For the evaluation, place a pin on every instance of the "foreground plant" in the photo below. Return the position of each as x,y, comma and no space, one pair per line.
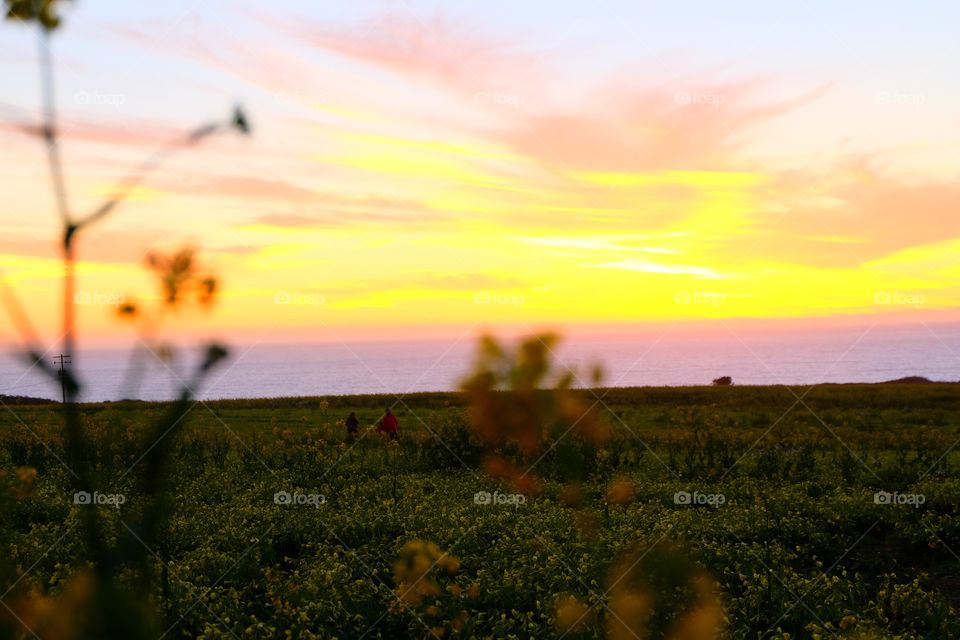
438,606
112,598
523,412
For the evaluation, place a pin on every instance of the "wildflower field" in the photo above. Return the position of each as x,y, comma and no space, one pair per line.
732,512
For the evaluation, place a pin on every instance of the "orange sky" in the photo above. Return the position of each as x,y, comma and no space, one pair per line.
417,171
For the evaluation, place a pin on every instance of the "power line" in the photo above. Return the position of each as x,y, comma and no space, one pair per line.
62,360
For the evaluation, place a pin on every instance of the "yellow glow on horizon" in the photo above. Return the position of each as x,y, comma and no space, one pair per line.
407,201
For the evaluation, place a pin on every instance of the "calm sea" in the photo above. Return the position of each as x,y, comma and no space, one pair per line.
846,355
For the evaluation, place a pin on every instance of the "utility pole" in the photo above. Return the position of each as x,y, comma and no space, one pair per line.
62,360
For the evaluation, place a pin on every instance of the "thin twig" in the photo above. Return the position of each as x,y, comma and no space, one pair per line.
127,185
48,94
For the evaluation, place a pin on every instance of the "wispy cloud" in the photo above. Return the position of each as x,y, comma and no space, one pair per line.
612,244
643,266
453,53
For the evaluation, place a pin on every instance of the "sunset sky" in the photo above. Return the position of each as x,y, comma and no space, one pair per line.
430,166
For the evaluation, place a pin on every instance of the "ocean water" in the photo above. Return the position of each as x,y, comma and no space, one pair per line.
847,355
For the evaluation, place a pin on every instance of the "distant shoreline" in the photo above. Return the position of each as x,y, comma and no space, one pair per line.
305,400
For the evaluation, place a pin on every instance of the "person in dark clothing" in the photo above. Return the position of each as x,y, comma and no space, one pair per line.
352,426
388,424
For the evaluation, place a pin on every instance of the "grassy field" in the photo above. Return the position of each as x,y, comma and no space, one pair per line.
751,509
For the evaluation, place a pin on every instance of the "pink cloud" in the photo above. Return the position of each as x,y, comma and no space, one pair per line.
259,63
433,48
130,132
123,246
326,217
624,129
868,218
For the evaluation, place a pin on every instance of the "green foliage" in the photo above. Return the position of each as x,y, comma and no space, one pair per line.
789,516
44,12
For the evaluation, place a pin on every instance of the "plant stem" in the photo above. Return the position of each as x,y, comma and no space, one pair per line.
48,94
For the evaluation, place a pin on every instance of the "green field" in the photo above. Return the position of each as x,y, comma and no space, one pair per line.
784,536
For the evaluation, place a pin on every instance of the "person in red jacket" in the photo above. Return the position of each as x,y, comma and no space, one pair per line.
388,424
